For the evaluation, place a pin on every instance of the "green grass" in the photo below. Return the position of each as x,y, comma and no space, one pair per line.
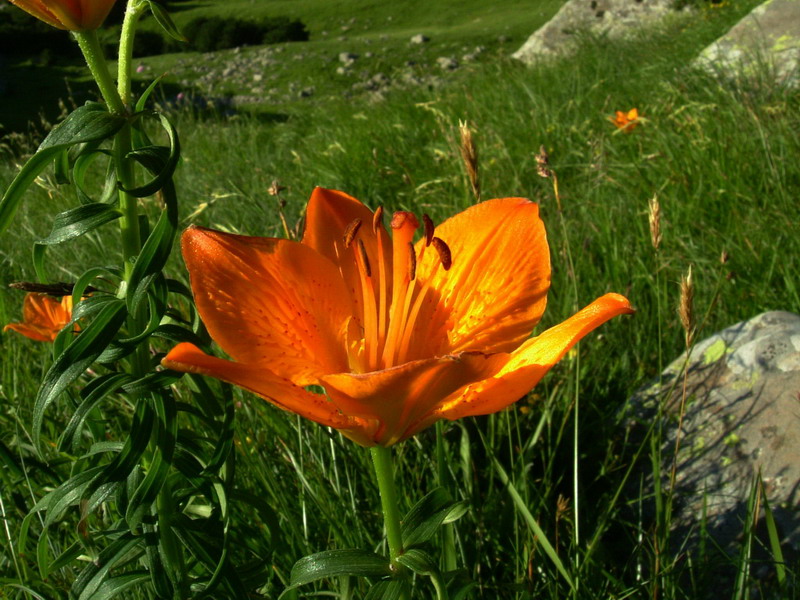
722,159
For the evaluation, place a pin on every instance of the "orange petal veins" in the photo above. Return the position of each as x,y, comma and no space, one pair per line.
496,290
277,390
400,396
528,364
269,302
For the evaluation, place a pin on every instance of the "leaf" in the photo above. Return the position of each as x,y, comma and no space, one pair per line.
418,561
388,590
522,508
159,160
89,123
162,17
80,220
333,563
88,583
426,516
77,357
156,250
92,394
116,585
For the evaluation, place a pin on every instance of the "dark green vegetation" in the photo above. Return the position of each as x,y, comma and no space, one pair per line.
720,156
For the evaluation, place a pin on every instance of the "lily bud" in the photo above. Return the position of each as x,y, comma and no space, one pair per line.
74,15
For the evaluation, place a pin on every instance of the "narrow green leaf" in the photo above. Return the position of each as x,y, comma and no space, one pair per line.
163,18
116,585
156,249
66,557
333,563
74,361
91,122
141,103
394,589
88,583
94,392
418,561
79,221
774,538
425,518
522,508
159,160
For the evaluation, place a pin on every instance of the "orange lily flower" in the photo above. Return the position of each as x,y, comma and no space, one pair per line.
626,121
400,334
43,317
74,15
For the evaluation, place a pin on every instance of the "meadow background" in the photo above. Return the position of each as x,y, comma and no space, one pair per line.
721,155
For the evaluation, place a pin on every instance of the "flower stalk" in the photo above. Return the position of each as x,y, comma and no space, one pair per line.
384,474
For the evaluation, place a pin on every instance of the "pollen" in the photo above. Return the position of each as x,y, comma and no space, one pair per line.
445,257
350,232
429,229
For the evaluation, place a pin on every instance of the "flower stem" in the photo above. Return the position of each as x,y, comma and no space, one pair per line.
93,53
382,460
133,11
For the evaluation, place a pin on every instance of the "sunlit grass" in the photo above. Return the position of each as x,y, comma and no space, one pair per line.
720,156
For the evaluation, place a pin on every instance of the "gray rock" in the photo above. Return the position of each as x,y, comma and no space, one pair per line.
769,35
420,38
347,58
741,417
447,63
612,17
307,92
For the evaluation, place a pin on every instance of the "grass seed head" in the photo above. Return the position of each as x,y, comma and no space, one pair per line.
469,154
686,306
654,216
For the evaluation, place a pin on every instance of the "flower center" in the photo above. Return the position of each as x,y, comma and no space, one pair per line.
391,301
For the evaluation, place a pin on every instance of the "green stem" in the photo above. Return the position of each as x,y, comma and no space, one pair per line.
133,11
93,53
382,460
448,536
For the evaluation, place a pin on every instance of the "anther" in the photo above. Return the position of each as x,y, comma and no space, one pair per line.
363,252
377,219
429,227
350,232
412,262
445,257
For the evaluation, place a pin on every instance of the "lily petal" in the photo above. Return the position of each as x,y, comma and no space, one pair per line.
33,332
328,214
400,396
280,391
528,364
269,302
38,9
496,290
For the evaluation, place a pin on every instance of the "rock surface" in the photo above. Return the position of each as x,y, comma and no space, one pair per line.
601,16
769,34
742,416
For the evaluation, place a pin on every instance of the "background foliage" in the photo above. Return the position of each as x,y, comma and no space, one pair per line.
720,155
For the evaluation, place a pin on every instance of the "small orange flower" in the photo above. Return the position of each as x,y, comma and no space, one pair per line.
400,334
43,317
75,15
626,121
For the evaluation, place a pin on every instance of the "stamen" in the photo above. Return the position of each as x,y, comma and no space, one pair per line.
412,262
443,249
377,219
363,252
429,228
350,232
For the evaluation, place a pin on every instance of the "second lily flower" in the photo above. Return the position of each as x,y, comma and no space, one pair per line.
400,334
